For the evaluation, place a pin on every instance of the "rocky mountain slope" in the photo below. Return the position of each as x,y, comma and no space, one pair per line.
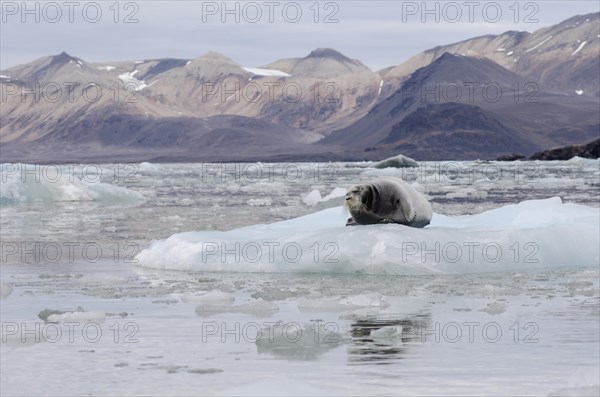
480,98
563,58
589,150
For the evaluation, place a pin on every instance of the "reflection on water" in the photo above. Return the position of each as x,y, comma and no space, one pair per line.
383,341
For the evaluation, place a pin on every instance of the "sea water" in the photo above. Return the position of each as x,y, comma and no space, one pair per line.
148,294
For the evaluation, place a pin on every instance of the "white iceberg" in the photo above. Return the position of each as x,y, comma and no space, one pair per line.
314,197
24,183
532,234
399,161
79,316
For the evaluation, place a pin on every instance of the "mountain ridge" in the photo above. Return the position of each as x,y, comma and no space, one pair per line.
324,103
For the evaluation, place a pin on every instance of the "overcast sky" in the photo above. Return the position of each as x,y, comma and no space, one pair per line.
379,33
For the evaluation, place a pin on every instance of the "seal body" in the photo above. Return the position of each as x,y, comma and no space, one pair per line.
387,200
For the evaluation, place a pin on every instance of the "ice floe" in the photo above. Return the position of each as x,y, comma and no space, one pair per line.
22,183
531,234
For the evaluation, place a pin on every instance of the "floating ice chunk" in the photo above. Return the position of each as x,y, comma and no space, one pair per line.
266,72
90,317
5,290
584,161
399,161
295,341
19,187
579,92
256,308
2,76
216,302
144,166
510,53
314,197
494,308
321,305
108,68
531,234
259,202
100,278
78,316
211,297
331,304
374,299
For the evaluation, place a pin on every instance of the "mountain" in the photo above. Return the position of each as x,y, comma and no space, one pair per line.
563,58
459,104
456,131
215,85
322,62
205,106
480,98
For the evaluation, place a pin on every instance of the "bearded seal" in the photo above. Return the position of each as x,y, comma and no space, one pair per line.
387,200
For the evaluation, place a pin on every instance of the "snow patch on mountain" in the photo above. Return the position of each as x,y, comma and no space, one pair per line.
129,78
266,72
579,48
543,42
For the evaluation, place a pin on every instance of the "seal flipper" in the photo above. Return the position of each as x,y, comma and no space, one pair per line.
351,222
